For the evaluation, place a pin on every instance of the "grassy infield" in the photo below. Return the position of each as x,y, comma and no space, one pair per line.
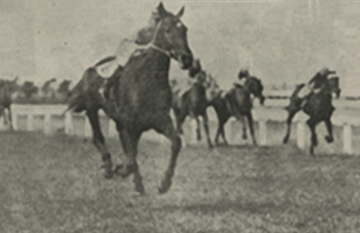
52,184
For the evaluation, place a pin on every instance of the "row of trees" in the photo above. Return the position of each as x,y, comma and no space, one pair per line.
28,92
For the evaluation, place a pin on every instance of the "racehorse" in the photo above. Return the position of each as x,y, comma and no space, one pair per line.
195,101
7,89
139,99
318,107
237,102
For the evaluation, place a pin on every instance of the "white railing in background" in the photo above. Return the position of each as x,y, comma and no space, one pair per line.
262,115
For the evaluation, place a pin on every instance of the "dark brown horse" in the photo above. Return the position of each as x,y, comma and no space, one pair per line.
237,102
7,89
195,101
318,107
139,99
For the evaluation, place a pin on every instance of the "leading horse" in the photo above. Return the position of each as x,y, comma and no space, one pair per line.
139,99
318,107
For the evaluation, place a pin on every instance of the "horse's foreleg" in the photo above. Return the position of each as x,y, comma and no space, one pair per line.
129,140
166,128
10,120
329,138
291,114
198,131
99,142
206,127
251,126
314,142
223,135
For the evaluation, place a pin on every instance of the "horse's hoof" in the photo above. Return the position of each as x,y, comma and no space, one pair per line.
123,171
286,139
244,137
329,139
107,172
140,189
312,151
165,185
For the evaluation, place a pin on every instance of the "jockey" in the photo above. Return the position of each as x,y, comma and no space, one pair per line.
316,84
130,47
133,46
243,75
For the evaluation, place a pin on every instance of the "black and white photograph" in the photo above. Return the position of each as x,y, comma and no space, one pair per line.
179,116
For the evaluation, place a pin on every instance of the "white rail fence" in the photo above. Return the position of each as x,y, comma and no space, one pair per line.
262,115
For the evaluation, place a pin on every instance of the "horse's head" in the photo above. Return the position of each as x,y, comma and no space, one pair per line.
255,87
335,86
171,36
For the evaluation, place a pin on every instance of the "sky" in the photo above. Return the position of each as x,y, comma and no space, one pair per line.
283,42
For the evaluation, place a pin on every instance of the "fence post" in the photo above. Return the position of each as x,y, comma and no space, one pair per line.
300,137
87,128
112,128
30,121
47,124
262,132
69,123
347,141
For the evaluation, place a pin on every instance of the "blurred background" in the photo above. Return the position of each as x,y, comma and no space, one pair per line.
283,42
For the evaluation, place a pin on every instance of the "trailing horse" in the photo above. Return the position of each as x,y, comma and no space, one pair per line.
195,101
318,107
7,89
237,102
139,98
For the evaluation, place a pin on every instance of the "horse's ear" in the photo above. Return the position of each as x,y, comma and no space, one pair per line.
15,79
161,10
181,12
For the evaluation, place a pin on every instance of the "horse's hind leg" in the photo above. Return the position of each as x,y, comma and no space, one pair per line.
206,127
165,127
329,138
10,119
251,126
242,119
314,142
291,114
129,140
99,142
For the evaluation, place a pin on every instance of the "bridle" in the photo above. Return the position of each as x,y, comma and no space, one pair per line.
152,44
